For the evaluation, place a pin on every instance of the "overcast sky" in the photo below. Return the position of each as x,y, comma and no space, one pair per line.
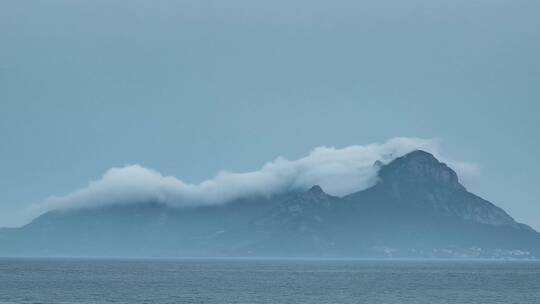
189,88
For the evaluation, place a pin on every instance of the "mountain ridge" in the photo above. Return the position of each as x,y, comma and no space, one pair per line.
417,208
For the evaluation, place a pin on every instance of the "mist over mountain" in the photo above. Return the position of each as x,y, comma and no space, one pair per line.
416,208
340,171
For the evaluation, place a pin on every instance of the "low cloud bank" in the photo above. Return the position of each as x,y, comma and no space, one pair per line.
337,171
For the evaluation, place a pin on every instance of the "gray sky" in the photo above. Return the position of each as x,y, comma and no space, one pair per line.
189,88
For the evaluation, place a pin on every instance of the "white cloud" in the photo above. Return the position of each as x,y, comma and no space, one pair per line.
337,171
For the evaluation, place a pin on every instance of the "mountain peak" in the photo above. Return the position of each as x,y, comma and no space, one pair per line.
421,154
418,181
316,189
419,167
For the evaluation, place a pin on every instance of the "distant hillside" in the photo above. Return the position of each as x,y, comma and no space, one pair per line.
418,209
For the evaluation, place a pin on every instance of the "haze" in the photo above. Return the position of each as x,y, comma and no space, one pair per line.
190,88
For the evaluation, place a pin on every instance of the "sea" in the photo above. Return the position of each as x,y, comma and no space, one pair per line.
268,281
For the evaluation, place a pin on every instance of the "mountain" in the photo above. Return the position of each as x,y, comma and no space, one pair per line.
417,209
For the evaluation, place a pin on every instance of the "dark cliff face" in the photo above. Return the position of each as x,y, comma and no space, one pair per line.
417,209
418,181
419,169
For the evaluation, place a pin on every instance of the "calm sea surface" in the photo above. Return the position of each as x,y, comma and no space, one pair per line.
266,281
